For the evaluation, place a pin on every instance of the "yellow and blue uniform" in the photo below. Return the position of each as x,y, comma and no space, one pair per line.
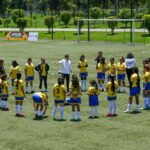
146,79
39,98
75,94
121,71
29,68
93,96
111,95
111,68
4,89
18,92
101,69
0,86
14,71
134,89
83,68
59,93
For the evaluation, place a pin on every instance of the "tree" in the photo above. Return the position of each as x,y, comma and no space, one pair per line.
6,22
81,23
3,7
49,22
17,13
22,23
65,17
112,24
146,22
1,21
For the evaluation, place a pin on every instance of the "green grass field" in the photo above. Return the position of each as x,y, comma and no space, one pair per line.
127,131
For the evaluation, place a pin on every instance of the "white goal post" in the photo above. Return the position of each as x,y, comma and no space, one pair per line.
132,29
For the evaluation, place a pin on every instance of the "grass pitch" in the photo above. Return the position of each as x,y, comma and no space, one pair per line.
127,131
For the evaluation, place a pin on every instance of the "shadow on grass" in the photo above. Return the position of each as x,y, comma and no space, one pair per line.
110,34
145,35
79,34
59,120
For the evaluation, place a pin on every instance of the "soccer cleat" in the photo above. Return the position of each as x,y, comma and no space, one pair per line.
115,115
90,117
17,115
127,111
96,117
109,115
21,115
32,92
27,92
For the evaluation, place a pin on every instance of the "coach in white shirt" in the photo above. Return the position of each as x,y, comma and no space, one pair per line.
66,69
130,63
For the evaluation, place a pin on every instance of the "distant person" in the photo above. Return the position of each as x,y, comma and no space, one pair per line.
15,68
29,74
99,57
65,70
42,68
82,65
130,63
2,69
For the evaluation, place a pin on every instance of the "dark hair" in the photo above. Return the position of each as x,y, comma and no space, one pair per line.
18,78
75,81
130,55
66,55
112,58
4,77
122,58
82,57
94,84
60,81
136,70
29,59
113,82
103,60
14,63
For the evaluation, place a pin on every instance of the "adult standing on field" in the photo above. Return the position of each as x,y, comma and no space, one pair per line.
130,63
2,69
42,68
65,69
99,57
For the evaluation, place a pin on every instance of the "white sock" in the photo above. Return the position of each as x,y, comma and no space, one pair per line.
124,90
103,86
26,89
148,99
115,106
91,112
96,111
78,114
61,112
0,102
36,112
129,107
12,89
73,115
54,112
16,108
40,113
6,104
3,104
32,89
145,102
21,107
84,84
99,86
110,107
137,108
118,88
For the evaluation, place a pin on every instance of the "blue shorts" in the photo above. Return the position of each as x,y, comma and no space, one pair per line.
19,98
134,91
147,86
4,95
101,75
37,99
114,98
30,78
93,100
108,77
0,91
59,101
83,74
12,80
75,101
121,77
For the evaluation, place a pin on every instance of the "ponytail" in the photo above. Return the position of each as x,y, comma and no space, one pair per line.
113,83
18,78
136,70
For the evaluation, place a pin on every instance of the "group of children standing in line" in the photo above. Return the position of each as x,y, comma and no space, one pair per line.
112,85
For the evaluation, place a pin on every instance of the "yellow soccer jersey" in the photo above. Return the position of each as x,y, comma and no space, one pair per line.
5,87
75,91
43,68
29,68
111,68
83,66
121,68
14,71
101,67
0,83
59,92
109,89
43,96
134,79
93,91
146,77
18,89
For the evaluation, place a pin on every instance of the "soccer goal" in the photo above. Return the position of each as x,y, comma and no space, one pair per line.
110,30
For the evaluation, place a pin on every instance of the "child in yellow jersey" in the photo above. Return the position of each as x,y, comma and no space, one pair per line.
146,87
82,65
40,101
93,93
134,90
15,68
111,88
29,74
19,95
111,68
75,93
121,69
59,98
5,93
101,69
0,92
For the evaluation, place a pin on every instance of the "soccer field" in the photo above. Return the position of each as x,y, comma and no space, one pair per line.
126,131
